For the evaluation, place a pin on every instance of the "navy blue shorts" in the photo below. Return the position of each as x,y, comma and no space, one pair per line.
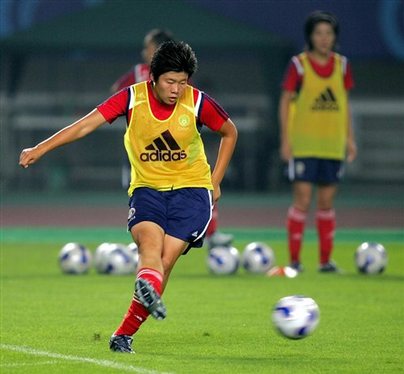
184,213
315,170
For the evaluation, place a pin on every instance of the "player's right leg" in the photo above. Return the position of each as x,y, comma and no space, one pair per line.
148,286
300,173
146,223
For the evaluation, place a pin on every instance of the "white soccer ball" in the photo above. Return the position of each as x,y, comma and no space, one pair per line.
296,317
74,258
257,257
115,259
223,260
371,258
100,257
134,251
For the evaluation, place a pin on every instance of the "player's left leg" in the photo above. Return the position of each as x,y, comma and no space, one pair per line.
329,174
150,284
326,224
173,249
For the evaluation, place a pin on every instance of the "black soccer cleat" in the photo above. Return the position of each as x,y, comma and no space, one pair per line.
121,343
328,267
150,299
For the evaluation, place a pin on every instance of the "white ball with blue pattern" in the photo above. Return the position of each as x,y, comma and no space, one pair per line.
371,258
223,260
296,317
114,259
74,258
258,257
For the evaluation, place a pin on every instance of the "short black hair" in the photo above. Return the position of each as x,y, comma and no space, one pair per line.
173,56
317,17
159,36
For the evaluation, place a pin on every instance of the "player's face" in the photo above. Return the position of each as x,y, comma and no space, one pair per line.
149,47
323,38
170,86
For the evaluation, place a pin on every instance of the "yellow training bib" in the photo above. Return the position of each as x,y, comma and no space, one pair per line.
165,154
318,119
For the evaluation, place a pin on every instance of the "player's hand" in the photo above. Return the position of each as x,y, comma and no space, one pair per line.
351,150
285,151
29,156
216,193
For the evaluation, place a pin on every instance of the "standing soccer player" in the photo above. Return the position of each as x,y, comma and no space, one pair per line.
172,188
139,73
316,133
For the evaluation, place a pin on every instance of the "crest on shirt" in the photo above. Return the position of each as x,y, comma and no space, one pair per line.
184,120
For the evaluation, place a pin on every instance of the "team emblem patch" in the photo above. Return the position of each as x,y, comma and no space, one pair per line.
131,213
184,120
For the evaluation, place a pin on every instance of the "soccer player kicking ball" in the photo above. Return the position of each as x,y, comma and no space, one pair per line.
316,133
172,188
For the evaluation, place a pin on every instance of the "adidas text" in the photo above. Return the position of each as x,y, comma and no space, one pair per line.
325,106
163,156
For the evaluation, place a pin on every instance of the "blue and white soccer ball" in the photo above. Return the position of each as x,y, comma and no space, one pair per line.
134,251
223,260
296,317
74,258
114,259
100,256
371,258
257,257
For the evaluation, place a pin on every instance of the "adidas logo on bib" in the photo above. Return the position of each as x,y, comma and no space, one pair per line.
326,101
163,148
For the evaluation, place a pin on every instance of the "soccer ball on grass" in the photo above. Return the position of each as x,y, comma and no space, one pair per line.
114,259
74,258
371,258
296,317
258,257
223,260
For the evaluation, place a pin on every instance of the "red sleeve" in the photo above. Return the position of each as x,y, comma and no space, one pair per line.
115,106
348,78
125,80
210,113
291,80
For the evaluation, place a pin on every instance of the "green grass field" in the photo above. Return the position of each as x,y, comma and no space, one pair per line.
55,323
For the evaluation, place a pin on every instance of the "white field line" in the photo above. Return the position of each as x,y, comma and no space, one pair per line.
20,364
104,363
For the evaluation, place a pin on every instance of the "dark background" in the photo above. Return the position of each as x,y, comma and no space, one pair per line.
59,59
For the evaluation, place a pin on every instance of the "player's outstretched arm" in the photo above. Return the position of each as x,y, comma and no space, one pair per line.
228,132
68,134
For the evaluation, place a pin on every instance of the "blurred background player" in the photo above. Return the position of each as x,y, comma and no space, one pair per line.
139,73
316,133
